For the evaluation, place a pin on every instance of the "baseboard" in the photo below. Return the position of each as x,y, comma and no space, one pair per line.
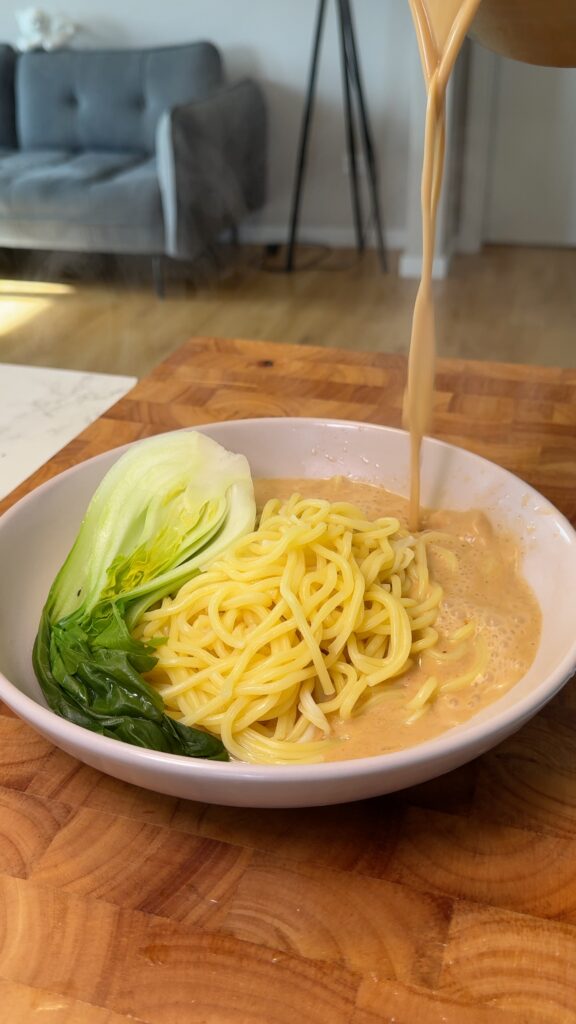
343,238
336,238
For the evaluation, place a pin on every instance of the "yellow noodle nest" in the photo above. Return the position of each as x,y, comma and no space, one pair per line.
305,619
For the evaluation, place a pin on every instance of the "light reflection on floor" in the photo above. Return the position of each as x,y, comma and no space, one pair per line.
21,301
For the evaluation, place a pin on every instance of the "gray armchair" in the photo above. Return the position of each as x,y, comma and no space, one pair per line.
127,151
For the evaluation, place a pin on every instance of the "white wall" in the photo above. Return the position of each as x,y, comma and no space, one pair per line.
271,40
531,166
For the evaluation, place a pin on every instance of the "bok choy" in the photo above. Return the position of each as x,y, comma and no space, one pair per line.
166,509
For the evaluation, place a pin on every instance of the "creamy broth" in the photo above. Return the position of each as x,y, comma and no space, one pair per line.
484,585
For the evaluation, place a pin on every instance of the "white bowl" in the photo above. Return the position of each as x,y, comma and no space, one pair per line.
36,534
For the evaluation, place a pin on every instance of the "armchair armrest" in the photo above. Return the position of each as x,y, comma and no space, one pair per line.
211,158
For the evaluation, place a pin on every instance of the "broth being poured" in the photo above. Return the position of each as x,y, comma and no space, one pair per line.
441,26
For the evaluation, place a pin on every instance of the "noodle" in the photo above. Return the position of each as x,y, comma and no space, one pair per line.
304,622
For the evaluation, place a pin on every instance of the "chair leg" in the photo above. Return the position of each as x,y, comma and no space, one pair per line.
158,275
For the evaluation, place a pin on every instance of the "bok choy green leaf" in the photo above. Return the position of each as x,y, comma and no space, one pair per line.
165,510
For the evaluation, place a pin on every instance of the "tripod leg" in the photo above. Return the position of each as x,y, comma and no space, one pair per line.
303,144
366,132
350,131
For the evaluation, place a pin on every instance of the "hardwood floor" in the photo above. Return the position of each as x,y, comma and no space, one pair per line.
507,304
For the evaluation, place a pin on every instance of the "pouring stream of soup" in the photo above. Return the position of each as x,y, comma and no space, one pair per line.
441,26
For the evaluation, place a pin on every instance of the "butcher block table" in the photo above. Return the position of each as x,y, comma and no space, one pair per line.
450,903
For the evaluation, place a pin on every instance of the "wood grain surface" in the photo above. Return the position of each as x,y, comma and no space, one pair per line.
451,903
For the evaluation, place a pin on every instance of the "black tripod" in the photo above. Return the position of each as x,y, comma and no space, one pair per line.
352,84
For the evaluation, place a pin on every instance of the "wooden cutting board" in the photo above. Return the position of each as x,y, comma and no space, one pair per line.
452,902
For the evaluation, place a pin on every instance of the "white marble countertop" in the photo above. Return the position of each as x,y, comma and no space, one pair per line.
42,409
